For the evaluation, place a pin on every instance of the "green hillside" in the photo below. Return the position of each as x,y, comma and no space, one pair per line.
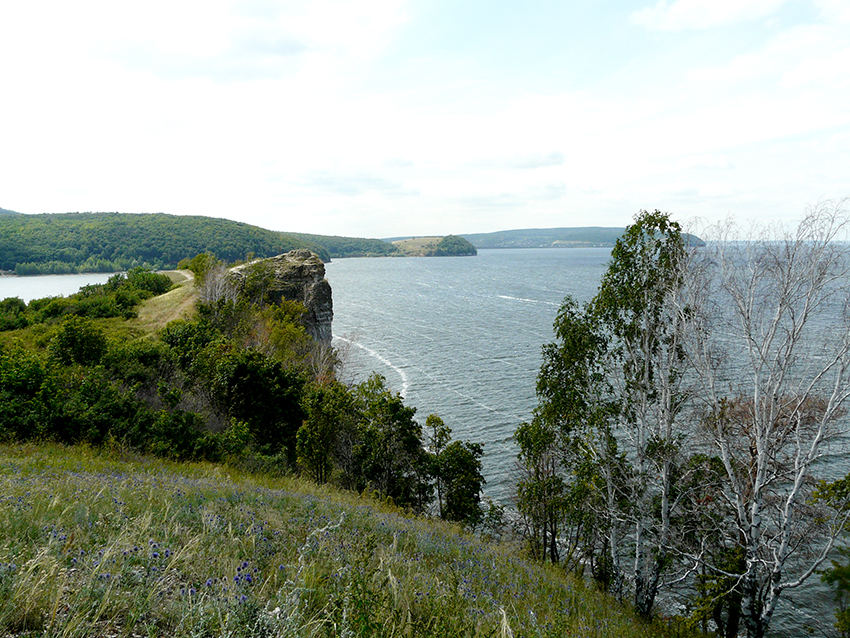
108,242
552,237
448,246
546,237
113,544
4,211
339,247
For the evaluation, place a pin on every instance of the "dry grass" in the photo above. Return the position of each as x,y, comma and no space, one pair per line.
155,313
417,246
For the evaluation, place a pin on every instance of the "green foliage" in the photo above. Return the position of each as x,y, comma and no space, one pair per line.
456,467
27,396
118,297
110,242
838,578
393,461
459,469
339,247
613,377
453,246
78,340
147,281
251,387
329,409
200,265
13,314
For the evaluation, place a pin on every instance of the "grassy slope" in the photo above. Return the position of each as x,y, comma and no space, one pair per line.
112,544
176,303
416,246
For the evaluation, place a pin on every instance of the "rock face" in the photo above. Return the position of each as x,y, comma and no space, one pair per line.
298,275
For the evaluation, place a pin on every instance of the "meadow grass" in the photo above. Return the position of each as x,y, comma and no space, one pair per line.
112,544
417,245
177,303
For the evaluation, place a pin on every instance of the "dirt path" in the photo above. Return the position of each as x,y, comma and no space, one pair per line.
175,304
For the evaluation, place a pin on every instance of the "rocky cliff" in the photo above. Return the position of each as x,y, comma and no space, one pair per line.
298,275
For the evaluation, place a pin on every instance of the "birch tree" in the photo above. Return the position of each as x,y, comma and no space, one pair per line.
639,308
614,385
772,353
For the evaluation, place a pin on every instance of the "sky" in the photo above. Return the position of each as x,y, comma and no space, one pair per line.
385,118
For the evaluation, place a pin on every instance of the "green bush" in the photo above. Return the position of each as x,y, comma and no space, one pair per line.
78,341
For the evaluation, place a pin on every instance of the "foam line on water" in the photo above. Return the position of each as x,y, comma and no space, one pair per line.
405,382
522,299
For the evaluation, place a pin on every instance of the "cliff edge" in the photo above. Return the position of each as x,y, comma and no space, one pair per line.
298,275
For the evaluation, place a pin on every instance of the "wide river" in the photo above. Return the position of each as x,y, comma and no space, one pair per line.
460,337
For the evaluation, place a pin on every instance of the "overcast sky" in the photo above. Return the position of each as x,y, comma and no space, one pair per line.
384,117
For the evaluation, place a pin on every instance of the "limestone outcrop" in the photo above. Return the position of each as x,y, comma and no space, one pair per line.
298,275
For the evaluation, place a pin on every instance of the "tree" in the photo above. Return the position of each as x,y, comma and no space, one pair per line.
440,436
78,341
248,386
392,459
612,391
327,408
568,454
838,578
540,489
772,354
456,467
459,467
639,307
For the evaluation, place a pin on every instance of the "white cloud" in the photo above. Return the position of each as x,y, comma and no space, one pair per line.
835,10
701,14
707,160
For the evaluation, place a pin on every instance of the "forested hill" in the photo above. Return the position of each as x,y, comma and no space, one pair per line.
108,242
350,246
552,237
4,211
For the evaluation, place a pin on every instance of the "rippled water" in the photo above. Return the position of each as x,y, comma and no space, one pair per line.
460,336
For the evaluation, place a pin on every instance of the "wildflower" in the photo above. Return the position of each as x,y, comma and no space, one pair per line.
155,555
209,582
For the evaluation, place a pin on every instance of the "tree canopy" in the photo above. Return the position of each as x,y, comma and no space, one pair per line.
110,242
